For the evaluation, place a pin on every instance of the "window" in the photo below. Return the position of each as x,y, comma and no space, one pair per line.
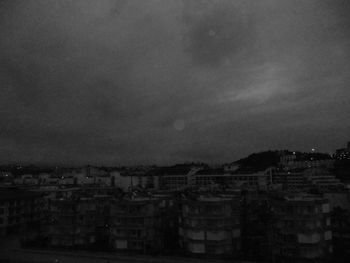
325,208
196,247
136,244
121,244
213,249
328,235
216,235
308,239
135,233
236,233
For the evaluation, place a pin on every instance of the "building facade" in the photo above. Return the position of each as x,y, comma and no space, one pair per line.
136,225
301,229
210,225
73,222
20,210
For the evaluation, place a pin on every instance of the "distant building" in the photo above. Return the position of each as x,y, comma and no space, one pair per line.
176,177
323,180
303,180
291,181
6,178
210,177
343,153
232,167
138,177
302,229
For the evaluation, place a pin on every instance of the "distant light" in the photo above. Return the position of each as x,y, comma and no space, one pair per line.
313,149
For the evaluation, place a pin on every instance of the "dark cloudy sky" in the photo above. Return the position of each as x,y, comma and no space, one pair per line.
166,81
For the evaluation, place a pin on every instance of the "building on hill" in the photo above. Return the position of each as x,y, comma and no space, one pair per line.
303,180
209,177
343,153
144,177
323,180
176,177
297,160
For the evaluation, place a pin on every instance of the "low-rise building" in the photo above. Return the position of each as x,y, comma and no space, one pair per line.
291,181
323,180
302,180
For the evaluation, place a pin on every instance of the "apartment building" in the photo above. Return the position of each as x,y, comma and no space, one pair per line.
169,208
136,225
103,219
305,179
291,181
301,229
210,225
323,179
172,182
292,161
256,180
20,210
256,222
73,222
209,177
341,234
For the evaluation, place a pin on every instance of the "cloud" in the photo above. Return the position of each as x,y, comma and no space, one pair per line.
218,32
125,82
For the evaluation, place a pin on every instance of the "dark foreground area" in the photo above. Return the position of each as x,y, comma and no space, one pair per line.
11,252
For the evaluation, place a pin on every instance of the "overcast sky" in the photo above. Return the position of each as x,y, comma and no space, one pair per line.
166,81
